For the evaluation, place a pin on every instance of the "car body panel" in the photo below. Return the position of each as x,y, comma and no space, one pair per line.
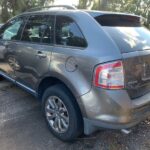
137,75
74,66
31,65
6,67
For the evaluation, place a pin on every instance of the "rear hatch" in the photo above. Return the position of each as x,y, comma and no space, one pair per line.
133,40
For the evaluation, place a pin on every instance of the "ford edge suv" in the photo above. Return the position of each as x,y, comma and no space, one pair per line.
89,69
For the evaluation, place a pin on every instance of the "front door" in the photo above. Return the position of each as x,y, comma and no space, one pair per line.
10,34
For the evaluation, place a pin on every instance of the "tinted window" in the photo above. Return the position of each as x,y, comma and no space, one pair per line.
12,30
68,33
126,31
130,39
119,20
39,29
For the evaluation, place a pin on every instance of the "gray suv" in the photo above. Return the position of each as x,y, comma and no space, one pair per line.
89,69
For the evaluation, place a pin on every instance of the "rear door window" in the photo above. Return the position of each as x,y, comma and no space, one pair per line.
39,29
127,32
68,33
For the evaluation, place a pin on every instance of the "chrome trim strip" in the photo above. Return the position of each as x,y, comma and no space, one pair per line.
7,77
18,83
25,87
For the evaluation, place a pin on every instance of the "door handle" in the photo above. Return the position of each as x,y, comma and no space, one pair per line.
41,54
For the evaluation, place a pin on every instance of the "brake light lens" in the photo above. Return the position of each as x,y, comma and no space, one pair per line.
109,75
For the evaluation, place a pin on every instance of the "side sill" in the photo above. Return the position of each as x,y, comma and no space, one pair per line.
7,77
31,91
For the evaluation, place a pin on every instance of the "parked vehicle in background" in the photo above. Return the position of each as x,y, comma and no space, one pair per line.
89,69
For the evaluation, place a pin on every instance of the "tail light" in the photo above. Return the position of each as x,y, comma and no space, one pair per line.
109,75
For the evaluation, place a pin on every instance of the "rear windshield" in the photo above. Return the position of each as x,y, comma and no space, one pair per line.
126,31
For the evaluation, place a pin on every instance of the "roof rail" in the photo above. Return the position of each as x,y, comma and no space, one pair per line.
51,6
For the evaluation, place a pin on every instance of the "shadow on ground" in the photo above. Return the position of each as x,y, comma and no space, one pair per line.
22,127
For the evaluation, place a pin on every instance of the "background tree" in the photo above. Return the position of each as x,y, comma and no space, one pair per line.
84,4
138,7
10,8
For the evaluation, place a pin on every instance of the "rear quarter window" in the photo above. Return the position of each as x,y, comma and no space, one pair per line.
68,33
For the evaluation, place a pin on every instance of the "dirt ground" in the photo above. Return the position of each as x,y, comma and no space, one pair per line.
22,127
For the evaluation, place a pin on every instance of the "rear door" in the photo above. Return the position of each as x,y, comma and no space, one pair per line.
133,39
34,51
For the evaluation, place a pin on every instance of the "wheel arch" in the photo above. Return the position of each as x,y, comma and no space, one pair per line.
48,81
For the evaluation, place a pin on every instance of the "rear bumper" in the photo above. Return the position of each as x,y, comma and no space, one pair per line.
113,110
91,125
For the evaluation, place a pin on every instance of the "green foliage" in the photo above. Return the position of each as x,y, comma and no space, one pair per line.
138,7
11,8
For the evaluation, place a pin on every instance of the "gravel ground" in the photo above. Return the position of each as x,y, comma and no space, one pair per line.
22,127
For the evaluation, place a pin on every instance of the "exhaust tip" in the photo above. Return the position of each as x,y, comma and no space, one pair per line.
126,131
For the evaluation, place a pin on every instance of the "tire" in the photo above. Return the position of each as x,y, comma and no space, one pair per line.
1,78
74,128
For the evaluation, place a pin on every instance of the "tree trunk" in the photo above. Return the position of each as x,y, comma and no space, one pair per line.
103,4
5,14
